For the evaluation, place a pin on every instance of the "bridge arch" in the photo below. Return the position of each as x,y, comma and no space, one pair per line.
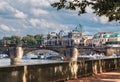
39,50
65,52
42,52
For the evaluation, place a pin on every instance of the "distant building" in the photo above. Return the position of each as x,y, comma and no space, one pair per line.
114,40
89,42
77,37
74,37
101,38
114,37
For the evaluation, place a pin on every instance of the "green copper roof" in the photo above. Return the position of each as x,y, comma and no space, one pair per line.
115,35
97,36
106,36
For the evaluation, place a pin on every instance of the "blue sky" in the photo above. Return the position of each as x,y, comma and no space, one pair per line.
22,17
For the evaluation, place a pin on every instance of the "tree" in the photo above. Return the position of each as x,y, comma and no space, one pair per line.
109,8
15,40
6,40
29,40
39,39
1,42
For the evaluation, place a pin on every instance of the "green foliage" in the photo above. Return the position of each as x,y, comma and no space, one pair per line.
15,39
28,40
6,40
71,5
39,38
108,8
1,42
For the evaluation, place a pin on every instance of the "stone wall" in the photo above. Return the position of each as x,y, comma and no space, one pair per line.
53,72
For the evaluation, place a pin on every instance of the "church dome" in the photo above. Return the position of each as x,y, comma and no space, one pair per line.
79,28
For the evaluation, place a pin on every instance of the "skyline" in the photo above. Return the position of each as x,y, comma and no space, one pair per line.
24,17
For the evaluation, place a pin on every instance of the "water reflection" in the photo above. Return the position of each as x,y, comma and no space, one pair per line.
6,62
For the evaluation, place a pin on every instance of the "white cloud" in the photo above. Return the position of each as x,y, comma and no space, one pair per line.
34,22
6,28
38,12
89,9
10,11
5,7
19,14
42,23
24,1
2,4
51,1
103,19
30,16
45,24
40,3
37,2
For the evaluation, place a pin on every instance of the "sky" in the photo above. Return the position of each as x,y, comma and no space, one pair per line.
23,17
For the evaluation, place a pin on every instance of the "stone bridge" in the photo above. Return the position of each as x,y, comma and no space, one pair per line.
65,51
16,52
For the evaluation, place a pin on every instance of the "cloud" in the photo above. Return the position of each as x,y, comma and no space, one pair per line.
20,14
37,3
6,28
6,10
89,9
34,22
5,7
40,3
37,12
48,25
42,23
23,1
37,16
103,19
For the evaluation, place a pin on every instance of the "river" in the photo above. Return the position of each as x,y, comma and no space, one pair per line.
6,62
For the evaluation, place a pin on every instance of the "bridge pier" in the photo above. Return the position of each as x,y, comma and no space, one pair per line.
73,63
113,50
16,54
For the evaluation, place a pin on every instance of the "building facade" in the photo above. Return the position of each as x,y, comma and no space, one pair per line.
74,37
77,37
101,38
115,37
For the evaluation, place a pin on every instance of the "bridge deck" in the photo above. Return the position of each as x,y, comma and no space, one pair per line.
113,76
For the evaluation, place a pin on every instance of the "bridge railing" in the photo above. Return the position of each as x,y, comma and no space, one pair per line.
56,71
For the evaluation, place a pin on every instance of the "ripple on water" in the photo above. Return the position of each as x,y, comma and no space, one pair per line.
6,62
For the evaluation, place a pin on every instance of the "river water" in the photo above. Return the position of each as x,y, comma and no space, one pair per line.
6,62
